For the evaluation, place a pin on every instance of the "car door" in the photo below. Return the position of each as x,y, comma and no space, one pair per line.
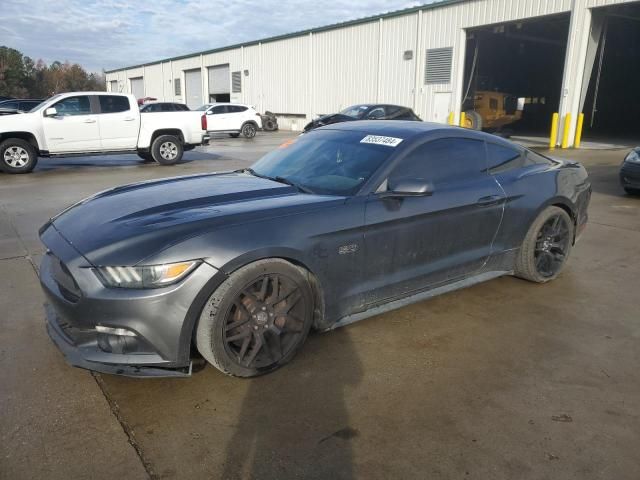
237,116
416,242
74,127
217,118
118,122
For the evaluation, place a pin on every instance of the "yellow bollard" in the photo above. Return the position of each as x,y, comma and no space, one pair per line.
553,140
565,131
576,143
451,118
463,119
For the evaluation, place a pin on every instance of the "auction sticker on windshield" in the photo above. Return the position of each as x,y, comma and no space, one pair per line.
380,140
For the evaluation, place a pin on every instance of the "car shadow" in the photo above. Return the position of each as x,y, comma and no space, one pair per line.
294,423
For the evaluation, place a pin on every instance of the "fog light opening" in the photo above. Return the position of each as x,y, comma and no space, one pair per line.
122,332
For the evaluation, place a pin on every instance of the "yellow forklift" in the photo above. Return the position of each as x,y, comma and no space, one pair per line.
492,111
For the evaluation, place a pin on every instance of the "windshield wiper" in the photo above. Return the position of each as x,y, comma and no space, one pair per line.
293,184
278,179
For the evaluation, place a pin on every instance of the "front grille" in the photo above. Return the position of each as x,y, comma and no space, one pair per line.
66,283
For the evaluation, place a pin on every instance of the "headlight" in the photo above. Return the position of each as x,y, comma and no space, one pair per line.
148,276
633,157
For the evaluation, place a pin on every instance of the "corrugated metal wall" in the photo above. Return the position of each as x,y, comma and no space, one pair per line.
322,72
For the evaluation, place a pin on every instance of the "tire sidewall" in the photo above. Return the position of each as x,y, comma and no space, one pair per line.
210,328
155,149
249,130
526,267
17,142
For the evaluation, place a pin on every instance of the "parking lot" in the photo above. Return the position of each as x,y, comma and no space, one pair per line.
504,380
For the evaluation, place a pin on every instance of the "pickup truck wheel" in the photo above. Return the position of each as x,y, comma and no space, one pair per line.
17,156
167,150
249,130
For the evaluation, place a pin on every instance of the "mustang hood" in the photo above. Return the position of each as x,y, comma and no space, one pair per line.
125,225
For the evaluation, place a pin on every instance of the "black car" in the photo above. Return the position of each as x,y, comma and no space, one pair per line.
337,225
630,172
364,112
16,105
163,107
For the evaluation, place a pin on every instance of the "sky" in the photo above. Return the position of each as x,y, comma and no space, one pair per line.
116,33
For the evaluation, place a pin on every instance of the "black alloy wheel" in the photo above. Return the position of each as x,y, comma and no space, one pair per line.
552,245
265,322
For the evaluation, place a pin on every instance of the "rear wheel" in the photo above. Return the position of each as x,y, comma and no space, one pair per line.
546,247
17,156
473,120
249,130
256,321
167,150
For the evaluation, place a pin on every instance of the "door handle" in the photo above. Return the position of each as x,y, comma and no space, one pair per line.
129,119
489,200
90,120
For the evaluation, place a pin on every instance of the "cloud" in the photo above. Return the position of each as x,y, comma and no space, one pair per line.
115,33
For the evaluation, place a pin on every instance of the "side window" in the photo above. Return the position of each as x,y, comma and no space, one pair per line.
10,105
443,161
181,108
534,158
73,106
237,109
113,103
502,158
219,109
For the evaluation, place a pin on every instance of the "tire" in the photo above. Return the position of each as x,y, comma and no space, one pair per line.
632,191
264,338
146,156
546,247
17,156
249,130
234,135
167,150
474,120
269,125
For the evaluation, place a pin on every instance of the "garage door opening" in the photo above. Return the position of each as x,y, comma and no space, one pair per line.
513,75
612,98
219,83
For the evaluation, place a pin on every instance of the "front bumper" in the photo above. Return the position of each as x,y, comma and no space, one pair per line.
630,175
158,322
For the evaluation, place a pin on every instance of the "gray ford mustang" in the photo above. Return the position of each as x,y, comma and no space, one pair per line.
342,223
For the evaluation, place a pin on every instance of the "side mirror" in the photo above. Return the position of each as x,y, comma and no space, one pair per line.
408,188
50,112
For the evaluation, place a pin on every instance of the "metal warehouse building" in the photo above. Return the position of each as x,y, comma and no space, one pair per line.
565,56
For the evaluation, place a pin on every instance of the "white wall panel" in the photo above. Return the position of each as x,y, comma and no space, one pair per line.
396,82
345,66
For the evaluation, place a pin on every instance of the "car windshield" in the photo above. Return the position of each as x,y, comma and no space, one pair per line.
325,162
356,111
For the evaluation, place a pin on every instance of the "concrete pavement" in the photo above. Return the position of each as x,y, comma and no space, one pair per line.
502,380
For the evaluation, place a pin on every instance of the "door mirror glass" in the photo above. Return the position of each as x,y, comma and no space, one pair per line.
408,188
50,112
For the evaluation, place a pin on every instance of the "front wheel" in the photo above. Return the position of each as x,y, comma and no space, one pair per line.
17,156
257,320
546,247
167,150
249,130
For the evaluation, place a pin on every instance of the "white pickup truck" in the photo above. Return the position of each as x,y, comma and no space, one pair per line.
96,123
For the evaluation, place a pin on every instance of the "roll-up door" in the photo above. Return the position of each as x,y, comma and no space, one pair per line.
137,87
193,88
219,80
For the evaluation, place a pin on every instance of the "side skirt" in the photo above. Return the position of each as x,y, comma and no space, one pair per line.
418,297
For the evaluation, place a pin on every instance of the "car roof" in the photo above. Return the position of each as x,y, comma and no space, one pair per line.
408,129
